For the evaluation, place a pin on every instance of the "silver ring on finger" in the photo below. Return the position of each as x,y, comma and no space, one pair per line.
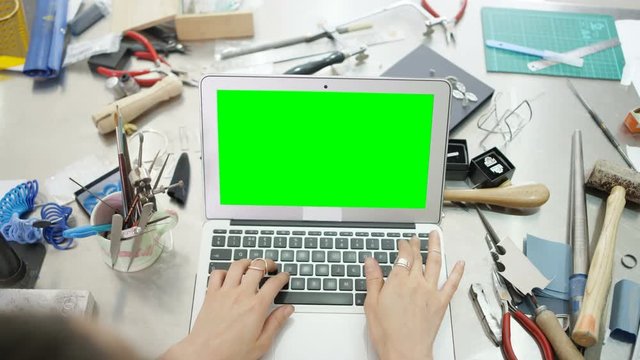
253,267
435,251
402,262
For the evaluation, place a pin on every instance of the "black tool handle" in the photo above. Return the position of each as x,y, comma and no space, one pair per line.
181,173
312,67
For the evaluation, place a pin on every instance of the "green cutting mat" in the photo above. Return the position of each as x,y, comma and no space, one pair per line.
555,31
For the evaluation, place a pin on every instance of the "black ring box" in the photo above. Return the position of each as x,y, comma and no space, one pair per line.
490,169
457,166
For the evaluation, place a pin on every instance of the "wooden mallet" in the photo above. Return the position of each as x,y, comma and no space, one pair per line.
605,177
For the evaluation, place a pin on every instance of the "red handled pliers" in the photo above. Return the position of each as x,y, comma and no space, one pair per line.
528,324
447,23
161,65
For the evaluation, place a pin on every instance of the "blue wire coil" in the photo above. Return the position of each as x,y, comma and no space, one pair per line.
15,203
21,200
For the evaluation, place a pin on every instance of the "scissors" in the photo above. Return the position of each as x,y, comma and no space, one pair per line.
508,309
161,65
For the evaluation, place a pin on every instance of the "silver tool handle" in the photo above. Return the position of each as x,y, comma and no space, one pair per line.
231,53
490,322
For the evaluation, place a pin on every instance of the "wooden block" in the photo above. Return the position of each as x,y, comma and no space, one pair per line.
141,14
214,26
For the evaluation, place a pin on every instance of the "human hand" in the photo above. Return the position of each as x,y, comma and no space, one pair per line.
404,313
235,322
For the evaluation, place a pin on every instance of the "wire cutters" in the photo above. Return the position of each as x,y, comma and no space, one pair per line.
508,309
161,65
448,24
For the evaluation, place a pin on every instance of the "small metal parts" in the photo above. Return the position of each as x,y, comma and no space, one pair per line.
460,92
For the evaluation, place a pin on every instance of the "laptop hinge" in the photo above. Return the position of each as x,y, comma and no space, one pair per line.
339,224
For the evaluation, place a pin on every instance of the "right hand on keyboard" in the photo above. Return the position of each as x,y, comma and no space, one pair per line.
235,322
404,313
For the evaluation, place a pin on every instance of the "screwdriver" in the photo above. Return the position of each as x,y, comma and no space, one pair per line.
335,57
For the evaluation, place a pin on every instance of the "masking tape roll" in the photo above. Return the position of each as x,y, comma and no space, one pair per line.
632,120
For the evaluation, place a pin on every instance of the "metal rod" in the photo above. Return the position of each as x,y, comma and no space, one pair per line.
141,136
495,239
163,188
154,161
578,230
155,185
602,126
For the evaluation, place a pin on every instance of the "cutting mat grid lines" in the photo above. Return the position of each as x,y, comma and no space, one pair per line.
555,31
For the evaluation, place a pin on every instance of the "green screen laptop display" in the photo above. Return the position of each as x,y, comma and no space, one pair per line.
324,149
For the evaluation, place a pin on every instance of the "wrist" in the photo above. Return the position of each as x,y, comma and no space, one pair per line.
406,354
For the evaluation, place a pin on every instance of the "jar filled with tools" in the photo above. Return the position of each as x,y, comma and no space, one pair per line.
136,247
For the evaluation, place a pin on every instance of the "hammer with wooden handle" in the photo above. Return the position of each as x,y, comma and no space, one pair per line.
134,105
515,196
587,328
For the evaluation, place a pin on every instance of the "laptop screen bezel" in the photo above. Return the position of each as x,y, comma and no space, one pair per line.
210,84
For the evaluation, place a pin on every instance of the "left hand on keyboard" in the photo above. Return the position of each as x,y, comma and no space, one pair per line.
234,322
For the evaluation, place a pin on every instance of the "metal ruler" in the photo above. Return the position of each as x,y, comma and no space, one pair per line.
579,52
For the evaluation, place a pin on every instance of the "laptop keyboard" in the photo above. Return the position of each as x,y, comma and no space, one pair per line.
326,267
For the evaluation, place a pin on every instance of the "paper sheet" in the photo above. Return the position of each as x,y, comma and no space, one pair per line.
519,270
634,153
82,50
628,31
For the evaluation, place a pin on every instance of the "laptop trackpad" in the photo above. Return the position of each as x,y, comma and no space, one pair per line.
323,336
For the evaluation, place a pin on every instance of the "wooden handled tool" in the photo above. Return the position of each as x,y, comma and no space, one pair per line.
517,196
587,328
562,345
132,106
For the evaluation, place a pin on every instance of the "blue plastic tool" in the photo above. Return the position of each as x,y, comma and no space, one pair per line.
85,231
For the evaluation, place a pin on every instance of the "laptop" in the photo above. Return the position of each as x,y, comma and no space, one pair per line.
318,173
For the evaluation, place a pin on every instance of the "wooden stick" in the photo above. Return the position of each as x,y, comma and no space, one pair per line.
517,196
587,329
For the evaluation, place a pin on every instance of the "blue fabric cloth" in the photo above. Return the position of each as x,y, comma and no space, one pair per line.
554,260
47,44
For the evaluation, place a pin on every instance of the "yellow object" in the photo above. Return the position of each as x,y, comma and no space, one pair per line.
14,35
130,128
